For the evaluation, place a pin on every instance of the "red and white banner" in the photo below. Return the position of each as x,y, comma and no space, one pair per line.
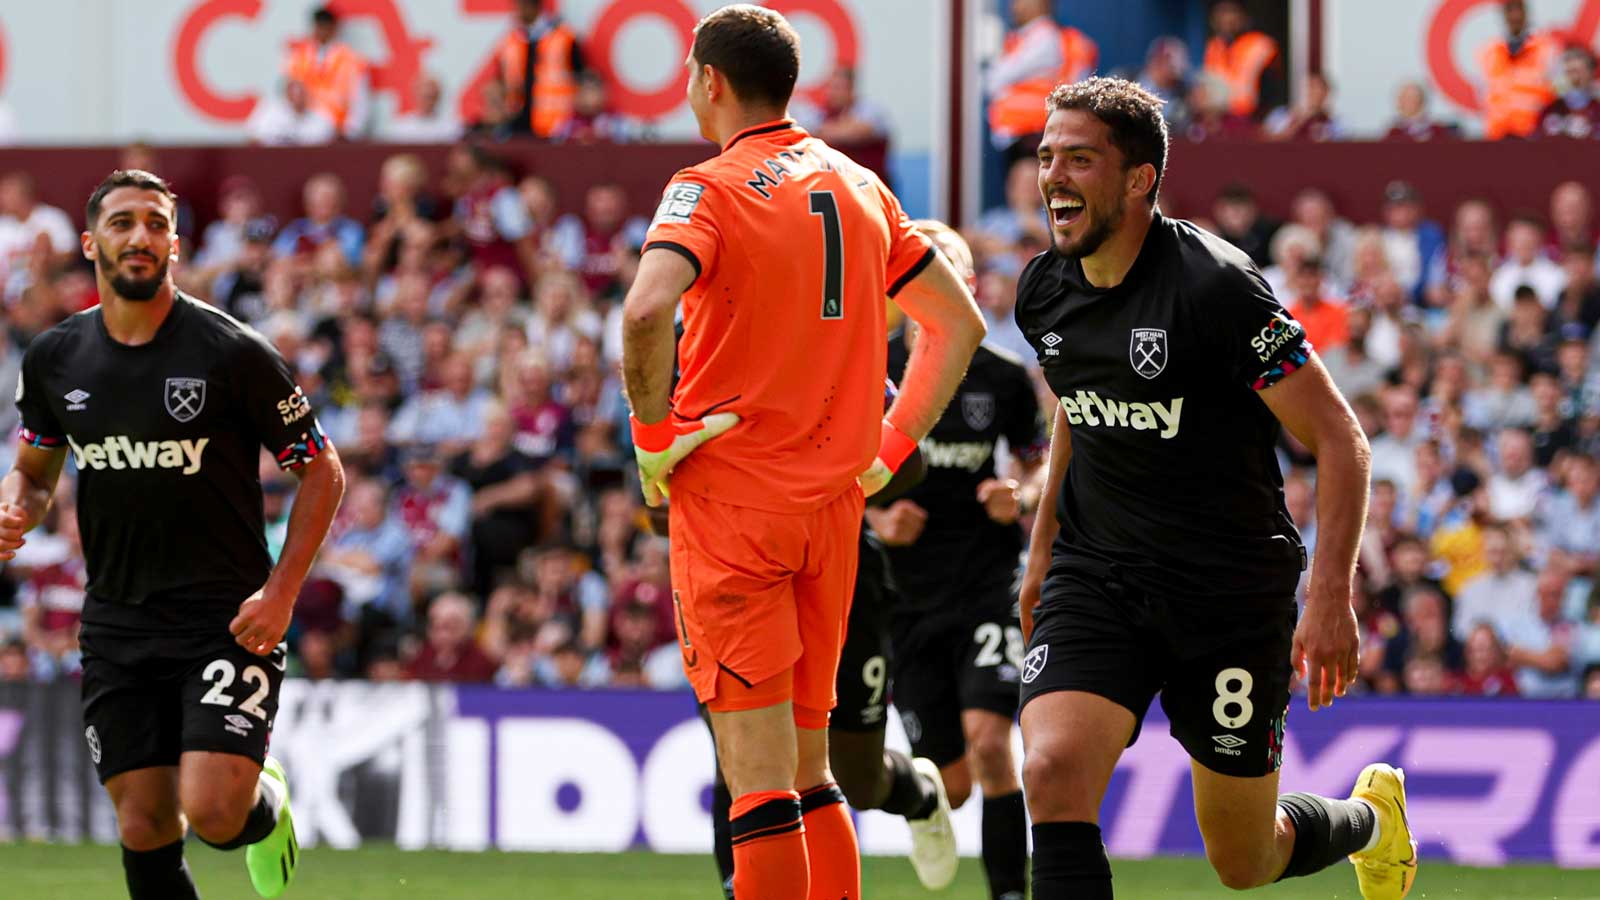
1371,46
92,71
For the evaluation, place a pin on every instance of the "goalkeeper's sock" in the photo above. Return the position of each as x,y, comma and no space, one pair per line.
1325,831
159,874
831,847
769,847
1005,845
911,794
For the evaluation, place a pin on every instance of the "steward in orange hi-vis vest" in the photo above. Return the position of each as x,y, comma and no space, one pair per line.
540,62
334,75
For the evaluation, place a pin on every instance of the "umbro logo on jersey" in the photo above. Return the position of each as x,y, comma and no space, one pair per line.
75,399
119,452
1089,408
1050,340
1228,744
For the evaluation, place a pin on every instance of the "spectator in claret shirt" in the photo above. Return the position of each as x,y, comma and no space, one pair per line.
435,508
1425,636
1412,121
1575,113
1488,673
587,244
324,222
1572,222
451,652
1308,119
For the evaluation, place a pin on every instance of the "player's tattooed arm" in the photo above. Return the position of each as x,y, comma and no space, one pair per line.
648,347
1326,642
26,492
264,617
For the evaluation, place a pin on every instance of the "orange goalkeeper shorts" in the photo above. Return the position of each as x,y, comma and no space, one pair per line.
762,599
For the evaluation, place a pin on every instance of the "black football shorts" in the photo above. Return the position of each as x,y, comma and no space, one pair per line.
1222,668
149,698
966,654
862,683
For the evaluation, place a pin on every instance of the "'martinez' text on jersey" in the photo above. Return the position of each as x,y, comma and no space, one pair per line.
1172,478
177,424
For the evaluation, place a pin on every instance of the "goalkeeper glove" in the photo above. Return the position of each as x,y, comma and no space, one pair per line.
894,446
661,445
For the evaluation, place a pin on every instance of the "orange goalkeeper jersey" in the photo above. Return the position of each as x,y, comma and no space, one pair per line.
795,246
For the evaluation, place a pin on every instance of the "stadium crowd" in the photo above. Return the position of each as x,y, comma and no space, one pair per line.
459,335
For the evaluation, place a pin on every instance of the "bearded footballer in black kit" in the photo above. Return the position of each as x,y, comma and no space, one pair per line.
165,405
1171,564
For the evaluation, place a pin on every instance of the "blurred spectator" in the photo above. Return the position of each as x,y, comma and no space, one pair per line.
369,554
1516,484
496,120
289,120
844,116
506,491
1239,221
1527,332
1503,401
1312,208
544,423
1408,572
592,119
323,222
1579,303
1326,319
491,215
1553,429
1472,235
334,75
430,123
1166,74
1394,451
1410,241
587,244
1291,245
1210,118
1581,390
451,416
1309,119
14,664
1244,63
1021,218
1425,638
1526,264
51,600
562,316
1488,672
576,595
1515,71
1412,121
1572,224
225,239
539,63
435,508
1568,520
27,225
571,665
450,652
1472,326
1038,55
1392,317
1540,640
1352,368
1499,595
1575,112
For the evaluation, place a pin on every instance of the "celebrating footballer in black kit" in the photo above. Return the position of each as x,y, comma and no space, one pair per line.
1171,564
953,543
165,405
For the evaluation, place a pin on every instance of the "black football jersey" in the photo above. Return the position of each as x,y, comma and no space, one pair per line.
1173,481
961,551
166,437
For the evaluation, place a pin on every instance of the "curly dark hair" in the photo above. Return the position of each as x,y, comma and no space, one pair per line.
134,178
1132,113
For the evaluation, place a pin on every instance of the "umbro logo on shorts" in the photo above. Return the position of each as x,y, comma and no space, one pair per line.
1228,744
238,724
1034,662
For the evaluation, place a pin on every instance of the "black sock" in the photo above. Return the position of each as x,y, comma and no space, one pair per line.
1005,846
722,834
910,794
263,817
1325,831
1069,862
159,874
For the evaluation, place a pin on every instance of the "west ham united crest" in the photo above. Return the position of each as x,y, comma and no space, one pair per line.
1148,351
978,410
185,397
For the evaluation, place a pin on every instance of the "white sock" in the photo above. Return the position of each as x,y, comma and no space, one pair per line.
1372,842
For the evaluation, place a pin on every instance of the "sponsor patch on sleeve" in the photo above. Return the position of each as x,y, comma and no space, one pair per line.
678,203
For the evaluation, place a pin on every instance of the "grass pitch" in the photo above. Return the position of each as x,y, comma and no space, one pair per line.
55,872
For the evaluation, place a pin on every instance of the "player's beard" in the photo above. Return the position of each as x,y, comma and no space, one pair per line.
1099,230
128,287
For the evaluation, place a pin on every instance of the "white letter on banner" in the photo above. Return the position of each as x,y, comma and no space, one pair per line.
1334,769
679,769
466,799
1575,820
1156,770
1474,830
537,758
